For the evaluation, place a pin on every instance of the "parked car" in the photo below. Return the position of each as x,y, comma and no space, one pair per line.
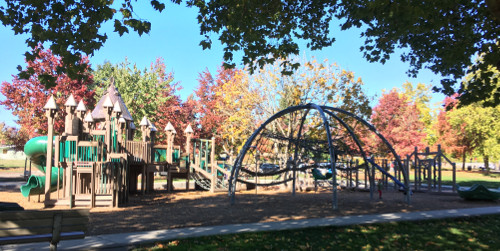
269,168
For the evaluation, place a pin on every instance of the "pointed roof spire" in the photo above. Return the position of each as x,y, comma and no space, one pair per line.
71,101
112,93
107,102
88,118
169,127
189,129
144,121
81,107
51,104
116,107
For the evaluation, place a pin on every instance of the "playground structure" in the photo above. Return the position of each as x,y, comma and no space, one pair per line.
311,144
96,162
307,137
427,168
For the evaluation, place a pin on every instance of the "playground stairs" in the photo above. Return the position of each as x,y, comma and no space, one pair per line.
205,183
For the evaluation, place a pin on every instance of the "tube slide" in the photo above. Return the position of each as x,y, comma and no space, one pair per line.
36,150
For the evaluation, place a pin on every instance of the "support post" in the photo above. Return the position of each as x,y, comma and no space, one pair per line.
189,133
454,173
50,112
439,168
213,166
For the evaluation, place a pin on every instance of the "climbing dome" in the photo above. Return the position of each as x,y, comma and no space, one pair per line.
305,139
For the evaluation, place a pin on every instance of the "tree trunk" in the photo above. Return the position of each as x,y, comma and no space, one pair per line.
486,164
463,161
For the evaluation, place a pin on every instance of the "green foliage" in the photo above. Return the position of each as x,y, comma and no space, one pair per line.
472,233
143,91
481,125
72,28
442,36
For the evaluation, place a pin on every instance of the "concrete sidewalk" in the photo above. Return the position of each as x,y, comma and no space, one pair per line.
127,240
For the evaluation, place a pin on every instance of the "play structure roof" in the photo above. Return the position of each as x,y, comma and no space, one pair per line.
112,93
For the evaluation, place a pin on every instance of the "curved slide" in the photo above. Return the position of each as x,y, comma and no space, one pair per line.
36,150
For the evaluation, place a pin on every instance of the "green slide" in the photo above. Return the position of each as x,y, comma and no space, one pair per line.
36,150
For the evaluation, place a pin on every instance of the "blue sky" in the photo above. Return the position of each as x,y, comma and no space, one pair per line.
175,37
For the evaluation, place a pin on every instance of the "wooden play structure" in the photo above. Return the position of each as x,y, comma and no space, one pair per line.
96,162
208,173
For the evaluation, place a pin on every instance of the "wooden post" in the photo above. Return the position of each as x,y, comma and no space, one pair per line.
92,186
169,128
108,105
50,112
213,166
189,134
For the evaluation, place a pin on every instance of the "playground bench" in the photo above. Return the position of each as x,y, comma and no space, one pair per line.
39,226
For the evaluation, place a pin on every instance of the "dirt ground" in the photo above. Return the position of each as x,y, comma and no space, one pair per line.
161,210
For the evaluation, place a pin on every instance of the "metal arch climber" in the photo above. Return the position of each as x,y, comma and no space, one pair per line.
290,139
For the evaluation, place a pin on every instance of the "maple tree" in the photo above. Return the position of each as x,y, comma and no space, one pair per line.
209,96
453,139
397,119
25,98
420,95
179,114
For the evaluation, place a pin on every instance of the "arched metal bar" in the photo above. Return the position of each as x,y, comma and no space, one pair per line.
235,171
374,130
332,154
358,143
296,153
248,143
322,110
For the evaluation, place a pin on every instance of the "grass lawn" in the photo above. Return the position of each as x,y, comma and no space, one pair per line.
6,165
475,233
468,178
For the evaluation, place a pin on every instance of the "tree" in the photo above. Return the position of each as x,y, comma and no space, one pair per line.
442,36
237,103
453,139
481,125
420,95
209,96
397,119
27,97
323,83
179,114
143,91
